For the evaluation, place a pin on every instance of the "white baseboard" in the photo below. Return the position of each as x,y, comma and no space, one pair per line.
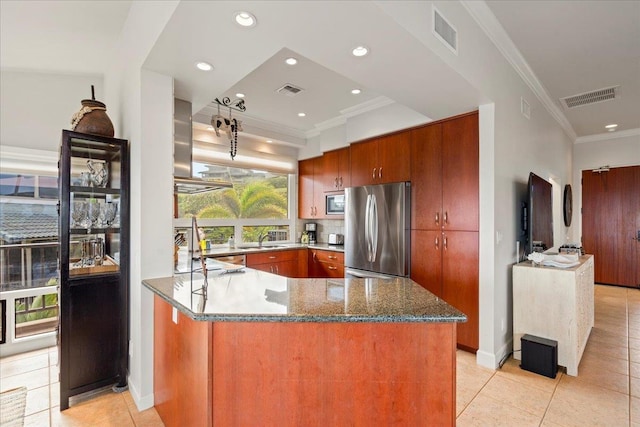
492,360
142,402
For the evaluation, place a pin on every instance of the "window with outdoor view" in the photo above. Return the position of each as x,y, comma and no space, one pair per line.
255,208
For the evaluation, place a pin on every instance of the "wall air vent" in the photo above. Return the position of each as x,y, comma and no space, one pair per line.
289,90
592,97
444,31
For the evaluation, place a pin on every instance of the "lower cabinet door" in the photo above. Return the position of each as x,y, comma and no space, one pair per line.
460,282
426,259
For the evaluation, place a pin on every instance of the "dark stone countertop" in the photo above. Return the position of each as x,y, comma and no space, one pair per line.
256,296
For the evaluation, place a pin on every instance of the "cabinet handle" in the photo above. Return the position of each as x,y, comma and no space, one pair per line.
335,182
437,218
380,172
332,257
272,257
437,243
311,211
373,175
444,241
315,258
330,267
446,218
340,182
277,269
271,269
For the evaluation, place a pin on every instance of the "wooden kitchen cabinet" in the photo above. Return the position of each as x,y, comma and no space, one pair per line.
381,160
460,173
336,174
445,175
311,189
283,263
460,282
444,217
326,264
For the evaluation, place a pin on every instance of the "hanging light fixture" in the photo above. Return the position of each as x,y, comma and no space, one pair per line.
229,125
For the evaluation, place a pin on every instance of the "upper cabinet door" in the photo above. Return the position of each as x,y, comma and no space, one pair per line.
364,159
426,178
330,171
344,161
305,188
393,158
460,173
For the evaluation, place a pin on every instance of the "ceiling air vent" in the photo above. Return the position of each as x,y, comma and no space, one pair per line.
289,90
444,31
592,97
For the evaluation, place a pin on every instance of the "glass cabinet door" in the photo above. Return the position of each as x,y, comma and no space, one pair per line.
94,205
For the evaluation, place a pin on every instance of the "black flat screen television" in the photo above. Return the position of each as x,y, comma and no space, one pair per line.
540,215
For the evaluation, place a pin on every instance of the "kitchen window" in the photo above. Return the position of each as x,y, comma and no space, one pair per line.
258,205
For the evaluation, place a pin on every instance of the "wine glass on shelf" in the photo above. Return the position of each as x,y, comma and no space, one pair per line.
78,213
111,209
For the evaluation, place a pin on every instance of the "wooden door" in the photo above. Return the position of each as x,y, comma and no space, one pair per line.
305,188
364,158
426,178
460,282
393,158
460,173
611,224
344,168
426,260
330,171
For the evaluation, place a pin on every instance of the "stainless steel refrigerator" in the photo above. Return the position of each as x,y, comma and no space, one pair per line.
377,230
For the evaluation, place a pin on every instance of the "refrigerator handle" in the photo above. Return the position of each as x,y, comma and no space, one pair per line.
367,220
374,228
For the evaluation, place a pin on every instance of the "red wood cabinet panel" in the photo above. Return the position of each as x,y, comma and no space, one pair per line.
460,282
426,178
394,152
381,160
336,175
426,259
181,374
364,159
306,198
334,374
328,264
460,173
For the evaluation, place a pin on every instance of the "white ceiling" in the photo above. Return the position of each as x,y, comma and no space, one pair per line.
572,47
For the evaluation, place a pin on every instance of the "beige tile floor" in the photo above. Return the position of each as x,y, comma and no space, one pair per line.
605,393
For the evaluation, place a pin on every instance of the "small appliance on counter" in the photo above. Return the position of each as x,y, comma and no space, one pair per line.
336,239
312,229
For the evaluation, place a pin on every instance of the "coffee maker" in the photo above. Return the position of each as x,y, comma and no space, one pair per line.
311,229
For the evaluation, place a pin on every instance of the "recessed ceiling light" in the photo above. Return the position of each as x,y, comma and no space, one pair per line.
360,51
611,126
269,141
240,95
291,61
301,114
245,19
204,66
355,91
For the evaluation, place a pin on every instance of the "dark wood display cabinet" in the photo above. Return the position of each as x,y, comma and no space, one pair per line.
94,263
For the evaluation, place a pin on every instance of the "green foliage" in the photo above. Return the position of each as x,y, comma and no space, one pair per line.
257,199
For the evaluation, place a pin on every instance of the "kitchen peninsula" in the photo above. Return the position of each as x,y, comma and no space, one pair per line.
261,349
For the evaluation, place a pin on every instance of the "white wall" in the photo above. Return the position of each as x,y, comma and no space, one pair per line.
382,120
604,150
35,107
510,148
143,113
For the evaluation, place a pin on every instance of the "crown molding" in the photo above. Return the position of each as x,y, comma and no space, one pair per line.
607,136
487,21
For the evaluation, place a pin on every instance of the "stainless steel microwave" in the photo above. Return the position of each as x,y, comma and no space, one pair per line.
335,204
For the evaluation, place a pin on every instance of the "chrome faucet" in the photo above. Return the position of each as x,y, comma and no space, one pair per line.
261,237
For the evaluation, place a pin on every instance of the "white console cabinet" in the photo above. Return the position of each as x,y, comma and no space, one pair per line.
557,304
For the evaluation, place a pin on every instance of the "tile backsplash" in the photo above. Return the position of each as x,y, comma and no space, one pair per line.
325,227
